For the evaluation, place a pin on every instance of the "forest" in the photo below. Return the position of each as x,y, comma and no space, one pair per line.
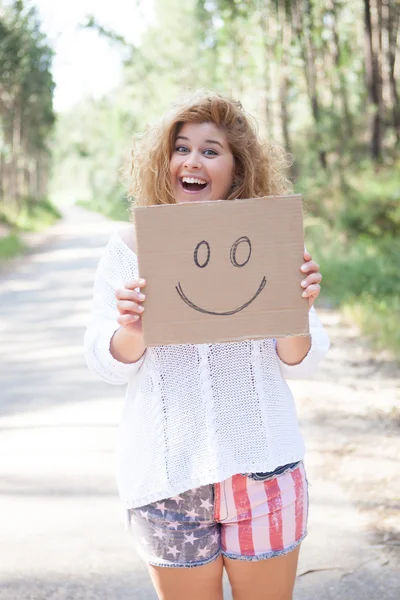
321,78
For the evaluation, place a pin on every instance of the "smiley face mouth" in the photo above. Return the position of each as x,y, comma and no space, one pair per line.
220,314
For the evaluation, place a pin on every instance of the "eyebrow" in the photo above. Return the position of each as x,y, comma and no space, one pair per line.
181,137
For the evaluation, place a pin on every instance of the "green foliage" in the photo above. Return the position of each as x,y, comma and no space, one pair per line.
26,84
91,144
378,319
362,200
372,202
31,216
360,274
26,105
10,246
352,269
115,209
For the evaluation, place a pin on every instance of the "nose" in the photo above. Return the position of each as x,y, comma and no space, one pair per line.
192,161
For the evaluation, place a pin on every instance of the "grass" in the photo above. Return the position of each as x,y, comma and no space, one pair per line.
31,216
379,319
364,282
11,245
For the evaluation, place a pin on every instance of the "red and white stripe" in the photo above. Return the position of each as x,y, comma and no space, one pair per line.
261,516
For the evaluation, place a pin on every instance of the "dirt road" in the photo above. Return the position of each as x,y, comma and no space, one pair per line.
62,530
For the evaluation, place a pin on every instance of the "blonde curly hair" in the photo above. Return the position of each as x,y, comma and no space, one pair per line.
259,167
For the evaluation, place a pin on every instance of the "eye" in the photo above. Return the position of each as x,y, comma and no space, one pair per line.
181,148
241,251
213,153
202,254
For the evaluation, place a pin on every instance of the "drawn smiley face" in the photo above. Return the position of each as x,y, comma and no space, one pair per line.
240,255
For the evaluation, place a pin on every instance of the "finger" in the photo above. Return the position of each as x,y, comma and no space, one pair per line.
313,278
307,256
125,320
310,266
312,290
124,306
126,294
135,283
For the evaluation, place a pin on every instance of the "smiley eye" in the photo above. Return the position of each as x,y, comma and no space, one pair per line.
202,254
241,252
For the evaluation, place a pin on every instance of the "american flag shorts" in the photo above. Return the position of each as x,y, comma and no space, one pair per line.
241,518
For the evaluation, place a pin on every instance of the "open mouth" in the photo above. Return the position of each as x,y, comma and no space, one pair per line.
193,184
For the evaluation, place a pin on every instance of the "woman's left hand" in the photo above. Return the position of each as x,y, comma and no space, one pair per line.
311,283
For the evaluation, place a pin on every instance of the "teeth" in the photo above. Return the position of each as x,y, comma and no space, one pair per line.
193,180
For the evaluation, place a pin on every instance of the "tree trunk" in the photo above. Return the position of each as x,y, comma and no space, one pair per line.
373,82
284,83
304,32
16,155
2,177
338,64
393,22
264,24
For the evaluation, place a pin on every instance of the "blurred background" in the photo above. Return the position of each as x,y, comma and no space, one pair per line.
78,79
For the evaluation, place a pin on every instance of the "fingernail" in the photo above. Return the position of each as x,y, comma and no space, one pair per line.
304,268
141,296
142,281
304,283
135,317
304,294
140,309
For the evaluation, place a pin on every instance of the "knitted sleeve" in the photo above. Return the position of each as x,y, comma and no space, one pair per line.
319,347
117,266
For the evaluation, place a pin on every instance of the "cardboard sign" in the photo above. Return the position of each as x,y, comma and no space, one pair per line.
222,271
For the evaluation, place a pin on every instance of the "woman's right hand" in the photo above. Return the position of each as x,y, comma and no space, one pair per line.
129,305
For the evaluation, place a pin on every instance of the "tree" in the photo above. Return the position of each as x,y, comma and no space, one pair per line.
392,23
373,75
304,26
26,106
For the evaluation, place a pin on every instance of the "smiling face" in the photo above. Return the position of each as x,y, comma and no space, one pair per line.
240,254
222,271
202,164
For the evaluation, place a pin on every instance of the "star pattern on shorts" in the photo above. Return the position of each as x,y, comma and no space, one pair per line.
174,529
178,499
202,553
215,538
173,550
159,533
161,506
206,504
190,539
192,513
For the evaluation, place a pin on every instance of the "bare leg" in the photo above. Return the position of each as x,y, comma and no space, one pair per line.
271,579
194,583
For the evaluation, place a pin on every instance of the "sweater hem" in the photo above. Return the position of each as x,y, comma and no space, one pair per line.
207,479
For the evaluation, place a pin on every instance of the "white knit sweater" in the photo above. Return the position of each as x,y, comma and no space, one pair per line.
194,414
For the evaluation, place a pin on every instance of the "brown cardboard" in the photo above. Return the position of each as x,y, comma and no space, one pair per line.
222,271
